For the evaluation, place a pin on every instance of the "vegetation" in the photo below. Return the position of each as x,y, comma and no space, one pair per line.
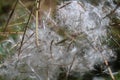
19,22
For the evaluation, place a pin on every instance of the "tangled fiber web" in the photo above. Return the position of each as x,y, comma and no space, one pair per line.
73,40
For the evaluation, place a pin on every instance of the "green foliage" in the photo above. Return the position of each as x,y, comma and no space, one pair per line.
5,5
20,78
94,2
114,35
9,38
17,24
15,78
116,2
117,77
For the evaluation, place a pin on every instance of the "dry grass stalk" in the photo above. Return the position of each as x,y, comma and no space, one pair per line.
105,61
37,23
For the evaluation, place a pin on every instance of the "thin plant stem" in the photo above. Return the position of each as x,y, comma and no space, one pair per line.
10,16
21,44
105,61
37,23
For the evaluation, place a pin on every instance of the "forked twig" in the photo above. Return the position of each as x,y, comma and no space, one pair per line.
21,3
21,44
113,11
